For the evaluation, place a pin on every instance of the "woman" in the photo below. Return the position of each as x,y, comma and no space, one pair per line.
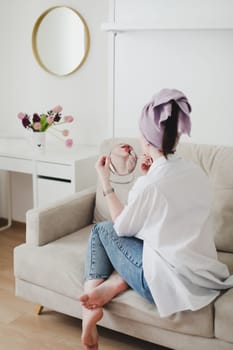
161,243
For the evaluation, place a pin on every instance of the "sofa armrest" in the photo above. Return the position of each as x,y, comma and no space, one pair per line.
44,225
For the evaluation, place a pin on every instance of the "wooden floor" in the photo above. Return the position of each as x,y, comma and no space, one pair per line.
22,329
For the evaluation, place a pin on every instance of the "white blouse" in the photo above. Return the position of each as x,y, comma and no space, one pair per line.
170,210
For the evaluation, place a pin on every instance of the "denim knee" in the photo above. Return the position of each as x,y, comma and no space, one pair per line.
101,228
105,229
104,226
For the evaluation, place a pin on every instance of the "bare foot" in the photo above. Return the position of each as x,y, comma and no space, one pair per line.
104,292
89,329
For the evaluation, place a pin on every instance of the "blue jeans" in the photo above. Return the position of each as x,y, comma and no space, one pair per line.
108,252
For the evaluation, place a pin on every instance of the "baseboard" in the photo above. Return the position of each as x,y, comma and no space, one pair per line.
3,222
15,223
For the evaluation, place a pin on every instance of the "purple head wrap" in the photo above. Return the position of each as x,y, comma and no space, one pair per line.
158,110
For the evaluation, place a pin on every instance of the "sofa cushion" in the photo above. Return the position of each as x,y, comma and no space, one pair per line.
223,317
216,161
226,258
132,306
63,261
57,266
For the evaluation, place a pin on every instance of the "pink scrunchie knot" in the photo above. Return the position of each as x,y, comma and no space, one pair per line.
159,110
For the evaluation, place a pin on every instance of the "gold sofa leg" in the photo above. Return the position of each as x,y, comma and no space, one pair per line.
38,309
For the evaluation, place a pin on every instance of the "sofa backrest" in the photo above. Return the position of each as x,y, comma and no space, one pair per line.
216,161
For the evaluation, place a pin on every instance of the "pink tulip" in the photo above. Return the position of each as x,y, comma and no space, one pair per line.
21,115
69,143
68,119
57,109
50,119
65,132
36,126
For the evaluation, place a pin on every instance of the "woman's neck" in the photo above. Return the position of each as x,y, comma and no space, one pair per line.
155,153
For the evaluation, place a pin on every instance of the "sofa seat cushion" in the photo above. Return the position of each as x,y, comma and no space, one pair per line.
226,258
59,267
223,317
132,306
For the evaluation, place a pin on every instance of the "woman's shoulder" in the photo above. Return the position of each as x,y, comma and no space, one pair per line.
142,187
194,167
140,184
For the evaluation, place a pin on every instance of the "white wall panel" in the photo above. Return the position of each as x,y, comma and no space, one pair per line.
175,12
198,62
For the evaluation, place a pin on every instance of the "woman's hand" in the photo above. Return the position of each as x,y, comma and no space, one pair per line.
102,168
114,204
146,163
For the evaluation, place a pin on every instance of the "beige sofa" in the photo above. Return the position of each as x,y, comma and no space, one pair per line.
49,266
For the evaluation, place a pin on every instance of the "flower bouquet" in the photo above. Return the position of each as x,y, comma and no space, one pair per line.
39,123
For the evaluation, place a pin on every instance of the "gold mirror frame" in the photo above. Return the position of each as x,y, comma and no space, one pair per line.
34,40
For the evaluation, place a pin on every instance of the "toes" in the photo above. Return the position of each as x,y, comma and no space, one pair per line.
91,306
83,298
85,304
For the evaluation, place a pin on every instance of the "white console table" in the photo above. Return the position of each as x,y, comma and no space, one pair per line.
56,173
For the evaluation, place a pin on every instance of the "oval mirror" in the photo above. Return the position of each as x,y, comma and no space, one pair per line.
60,40
123,159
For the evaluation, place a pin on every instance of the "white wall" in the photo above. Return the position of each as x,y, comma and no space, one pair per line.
191,50
26,87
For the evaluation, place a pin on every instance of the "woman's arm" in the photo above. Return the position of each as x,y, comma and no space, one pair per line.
114,204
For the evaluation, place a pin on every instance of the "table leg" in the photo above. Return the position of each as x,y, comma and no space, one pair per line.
9,206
